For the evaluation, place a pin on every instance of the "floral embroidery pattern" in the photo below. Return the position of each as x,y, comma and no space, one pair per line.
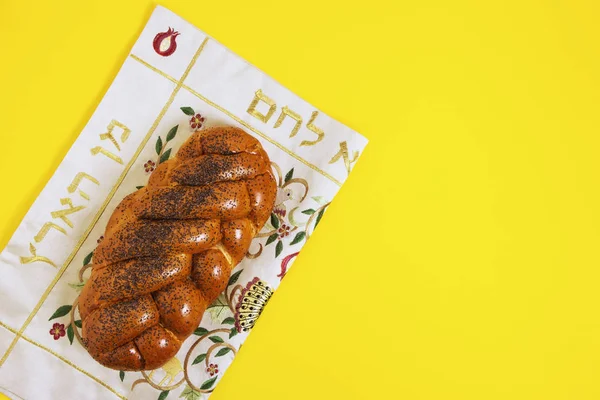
284,231
149,166
237,309
253,299
283,222
284,264
212,369
164,153
196,120
58,331
161,148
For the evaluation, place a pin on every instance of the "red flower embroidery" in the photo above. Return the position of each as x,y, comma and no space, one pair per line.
197,121
58,331
284,230
149,166
100,239
212,369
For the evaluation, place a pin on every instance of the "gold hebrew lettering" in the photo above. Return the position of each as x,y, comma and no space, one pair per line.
62,214
77,180
35,258
126,130
344,153
47,226
311,126
285,111
109,134
259,96
107,153
110,137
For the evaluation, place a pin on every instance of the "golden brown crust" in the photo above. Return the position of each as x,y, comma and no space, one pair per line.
211,168
223,200
169,248
132,278
210,272
180,305
146,238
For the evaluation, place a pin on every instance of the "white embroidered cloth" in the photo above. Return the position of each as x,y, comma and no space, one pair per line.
176,80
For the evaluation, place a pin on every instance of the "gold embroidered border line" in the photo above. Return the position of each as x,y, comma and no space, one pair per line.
179,85
158,71
237,119
69,363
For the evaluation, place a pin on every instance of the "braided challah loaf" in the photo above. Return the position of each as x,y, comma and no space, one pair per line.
169,248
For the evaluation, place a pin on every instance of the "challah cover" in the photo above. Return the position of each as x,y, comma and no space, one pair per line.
176,80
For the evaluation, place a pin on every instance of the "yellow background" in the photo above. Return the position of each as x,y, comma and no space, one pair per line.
459,261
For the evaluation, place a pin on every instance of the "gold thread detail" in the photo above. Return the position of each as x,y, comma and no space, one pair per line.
256,131
110,137
260,96
343,153
262,135
35,258
44,231
84,195
41,346
62,214
105,204
285,111
158,71
311,127
100,149
77,181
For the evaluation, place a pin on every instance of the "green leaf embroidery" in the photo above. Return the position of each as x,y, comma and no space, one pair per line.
199,359
228,320
189,394
320,199
122,375
218,307
77,286
216,339
208,384
223,351
70,333
310,211
274,220
61,312
187,110
289,175
159,145
165,156
271,239
299,237
139,187
319,217
78,323
200,331
278,248
234,277
88,258
233,332
172,133
163,395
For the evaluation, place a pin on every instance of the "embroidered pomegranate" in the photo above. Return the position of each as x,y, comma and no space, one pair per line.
164,43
